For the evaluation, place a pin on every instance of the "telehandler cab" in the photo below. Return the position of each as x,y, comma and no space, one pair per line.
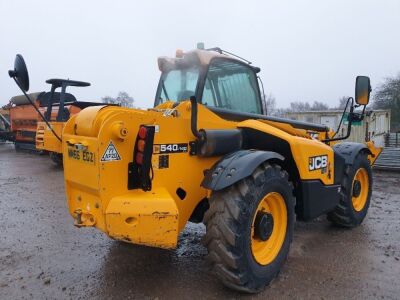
207,152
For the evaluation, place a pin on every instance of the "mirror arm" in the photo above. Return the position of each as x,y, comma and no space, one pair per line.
350,119
363,112
352,116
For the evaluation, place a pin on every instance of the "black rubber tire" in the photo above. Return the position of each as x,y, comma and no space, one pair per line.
228,223
57,158
17,147
344,214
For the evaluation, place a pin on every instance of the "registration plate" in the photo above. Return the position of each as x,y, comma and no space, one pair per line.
82,155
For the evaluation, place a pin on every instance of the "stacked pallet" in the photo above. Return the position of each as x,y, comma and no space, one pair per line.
390,156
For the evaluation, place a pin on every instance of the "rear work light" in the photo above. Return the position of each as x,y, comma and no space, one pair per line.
140,145
139,158
140,168
142,132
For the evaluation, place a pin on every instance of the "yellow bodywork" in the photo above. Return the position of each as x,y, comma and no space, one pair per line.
374,150
97,191
46,140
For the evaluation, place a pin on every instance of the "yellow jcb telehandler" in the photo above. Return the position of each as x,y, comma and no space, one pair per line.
207,152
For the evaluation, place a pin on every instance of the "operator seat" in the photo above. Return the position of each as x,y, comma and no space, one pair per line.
185,95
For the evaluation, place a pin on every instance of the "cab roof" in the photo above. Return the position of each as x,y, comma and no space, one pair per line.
195,58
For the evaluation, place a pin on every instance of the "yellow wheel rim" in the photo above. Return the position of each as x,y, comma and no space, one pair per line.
264,252
361,179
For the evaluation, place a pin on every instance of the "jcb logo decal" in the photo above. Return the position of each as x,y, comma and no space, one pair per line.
318,162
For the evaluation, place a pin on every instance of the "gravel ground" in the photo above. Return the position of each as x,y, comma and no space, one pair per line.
43,256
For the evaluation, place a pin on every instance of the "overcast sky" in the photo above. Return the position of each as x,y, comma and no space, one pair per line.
307,50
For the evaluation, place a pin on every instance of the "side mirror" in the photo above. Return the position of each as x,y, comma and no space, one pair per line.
363,89
20,73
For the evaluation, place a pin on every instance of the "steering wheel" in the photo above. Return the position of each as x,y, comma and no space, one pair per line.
60,82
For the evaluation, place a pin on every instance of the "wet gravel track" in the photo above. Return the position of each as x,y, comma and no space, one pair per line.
43,256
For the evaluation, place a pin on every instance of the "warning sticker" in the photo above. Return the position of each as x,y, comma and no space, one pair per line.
111,153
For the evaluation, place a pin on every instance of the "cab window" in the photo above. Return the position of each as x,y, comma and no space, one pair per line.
178,85
231,85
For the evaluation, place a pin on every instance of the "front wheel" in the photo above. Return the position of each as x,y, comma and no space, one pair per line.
355,196
250,228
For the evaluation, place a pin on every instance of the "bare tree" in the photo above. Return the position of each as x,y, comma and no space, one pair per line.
305,106
280,112
123,99
319,106
387,96
342,102
270,102
109,100
299,106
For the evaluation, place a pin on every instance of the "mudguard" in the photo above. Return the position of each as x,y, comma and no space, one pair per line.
349,150
236,166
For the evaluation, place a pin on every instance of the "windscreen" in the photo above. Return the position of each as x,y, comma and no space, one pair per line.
177,84
232,86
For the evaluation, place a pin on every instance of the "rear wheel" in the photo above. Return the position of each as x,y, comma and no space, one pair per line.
355,196
17,146
57,158
250,228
